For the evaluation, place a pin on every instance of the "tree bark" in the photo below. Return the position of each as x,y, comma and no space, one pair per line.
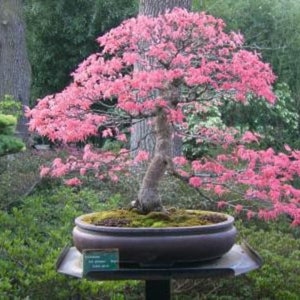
155,7
142,136
15,71
148,197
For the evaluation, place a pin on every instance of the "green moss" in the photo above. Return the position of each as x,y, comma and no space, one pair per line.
176,218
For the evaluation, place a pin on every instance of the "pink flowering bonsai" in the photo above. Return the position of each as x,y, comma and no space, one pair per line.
162,69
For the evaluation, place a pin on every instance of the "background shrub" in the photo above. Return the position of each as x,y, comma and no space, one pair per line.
34,235
277,279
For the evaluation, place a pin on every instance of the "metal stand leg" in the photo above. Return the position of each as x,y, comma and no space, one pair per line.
158,290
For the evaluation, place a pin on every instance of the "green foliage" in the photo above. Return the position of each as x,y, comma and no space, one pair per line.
279,248
9,106
10,109
62,33
19,174
278,124
31,241
7,124
39,225
209,118
278,279
8,143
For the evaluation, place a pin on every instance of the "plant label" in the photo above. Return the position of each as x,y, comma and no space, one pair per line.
100,260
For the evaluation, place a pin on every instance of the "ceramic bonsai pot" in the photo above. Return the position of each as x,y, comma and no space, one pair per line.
158,246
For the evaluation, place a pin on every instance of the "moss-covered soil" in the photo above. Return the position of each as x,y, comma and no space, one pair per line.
170,218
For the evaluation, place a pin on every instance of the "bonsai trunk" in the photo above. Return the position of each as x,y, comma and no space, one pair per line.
148,196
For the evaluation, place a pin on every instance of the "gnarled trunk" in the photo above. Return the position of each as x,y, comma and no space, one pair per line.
148,197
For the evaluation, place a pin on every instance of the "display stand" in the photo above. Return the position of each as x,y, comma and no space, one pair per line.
239,260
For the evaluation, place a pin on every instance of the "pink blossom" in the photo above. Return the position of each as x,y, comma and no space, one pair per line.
107,132
83,171
249,137
250,214
73,182
180,160
197,166
141,156
183,173
121,137
219,190
113,177
222,204
44,171
238,208
195,182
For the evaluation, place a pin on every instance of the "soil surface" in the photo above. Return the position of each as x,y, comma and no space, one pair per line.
171,218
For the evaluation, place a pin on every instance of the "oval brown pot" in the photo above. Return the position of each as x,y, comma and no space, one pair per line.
158,246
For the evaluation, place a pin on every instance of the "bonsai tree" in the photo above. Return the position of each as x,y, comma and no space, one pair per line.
163,69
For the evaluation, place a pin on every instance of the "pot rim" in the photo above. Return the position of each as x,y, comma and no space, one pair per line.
221,226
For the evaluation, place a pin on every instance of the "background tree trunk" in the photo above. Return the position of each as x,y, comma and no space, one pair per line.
142,136
15,71
154,8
